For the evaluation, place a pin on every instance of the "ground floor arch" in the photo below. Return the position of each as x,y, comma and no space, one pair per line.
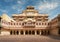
13,32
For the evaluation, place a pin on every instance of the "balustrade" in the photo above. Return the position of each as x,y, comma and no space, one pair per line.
20,24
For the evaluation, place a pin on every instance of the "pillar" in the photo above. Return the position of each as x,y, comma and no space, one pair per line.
40,32
24,32
35,32
19,33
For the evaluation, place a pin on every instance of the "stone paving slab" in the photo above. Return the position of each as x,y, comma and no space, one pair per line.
29,38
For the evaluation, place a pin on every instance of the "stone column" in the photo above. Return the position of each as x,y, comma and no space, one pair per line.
40,32
24,32
35,32
19,33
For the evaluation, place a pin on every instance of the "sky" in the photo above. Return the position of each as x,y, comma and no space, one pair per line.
50,7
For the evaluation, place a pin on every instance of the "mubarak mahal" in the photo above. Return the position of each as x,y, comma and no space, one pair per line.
29,22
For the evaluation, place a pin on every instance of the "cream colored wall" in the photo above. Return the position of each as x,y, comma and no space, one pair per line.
5,33
54,32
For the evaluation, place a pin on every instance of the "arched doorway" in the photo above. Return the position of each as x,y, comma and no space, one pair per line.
29,32
48,32
10,32
14,32
26,32
45,32
21,32
38,32
59,31
17,32
33,32
41,32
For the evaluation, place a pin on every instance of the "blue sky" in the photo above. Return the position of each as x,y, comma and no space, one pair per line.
51,7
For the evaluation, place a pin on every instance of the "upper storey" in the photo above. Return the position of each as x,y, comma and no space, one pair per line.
30,9
55,22
29,18
30,14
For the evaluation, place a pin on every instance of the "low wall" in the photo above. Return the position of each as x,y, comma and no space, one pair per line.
5,33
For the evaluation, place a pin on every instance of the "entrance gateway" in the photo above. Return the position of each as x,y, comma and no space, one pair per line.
29,32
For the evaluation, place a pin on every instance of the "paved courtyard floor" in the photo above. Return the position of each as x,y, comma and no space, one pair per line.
29,38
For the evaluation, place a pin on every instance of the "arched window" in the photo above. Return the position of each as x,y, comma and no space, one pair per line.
22,23
14,23
42,23
48,23
39,23
11,24
45,23
25,22
19,23
36,23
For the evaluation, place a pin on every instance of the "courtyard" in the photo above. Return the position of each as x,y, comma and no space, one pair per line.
29,38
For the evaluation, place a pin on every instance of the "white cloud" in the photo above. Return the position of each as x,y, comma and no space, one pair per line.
4,11
48,6
17,6
19,2
13,7
22,1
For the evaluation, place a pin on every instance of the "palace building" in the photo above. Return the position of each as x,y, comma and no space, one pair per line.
29,22
55,26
